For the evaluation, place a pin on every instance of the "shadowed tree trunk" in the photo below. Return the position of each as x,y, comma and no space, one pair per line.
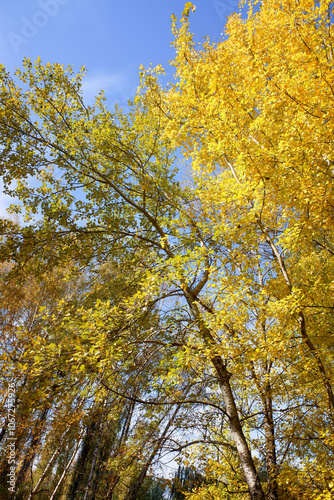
94,460
133,492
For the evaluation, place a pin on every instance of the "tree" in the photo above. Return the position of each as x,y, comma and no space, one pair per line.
235,267
186,479
120,173
152,489
72,437
253,115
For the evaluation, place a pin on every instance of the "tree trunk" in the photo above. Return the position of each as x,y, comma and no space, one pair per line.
81,461
269,430
245,456
115,477
33,447
65,470
269,433
132,494
94,460
48,465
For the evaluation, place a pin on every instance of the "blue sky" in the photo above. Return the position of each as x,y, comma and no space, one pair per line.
110,38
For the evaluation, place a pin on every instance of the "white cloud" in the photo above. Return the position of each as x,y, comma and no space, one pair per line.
111,84
118,87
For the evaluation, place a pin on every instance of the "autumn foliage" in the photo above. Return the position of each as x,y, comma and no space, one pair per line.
188,318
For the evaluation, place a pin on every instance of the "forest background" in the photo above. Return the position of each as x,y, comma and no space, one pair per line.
157,317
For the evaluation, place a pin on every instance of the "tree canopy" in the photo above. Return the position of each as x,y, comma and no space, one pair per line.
159,317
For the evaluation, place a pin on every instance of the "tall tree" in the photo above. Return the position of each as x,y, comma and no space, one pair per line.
231,274
127,192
